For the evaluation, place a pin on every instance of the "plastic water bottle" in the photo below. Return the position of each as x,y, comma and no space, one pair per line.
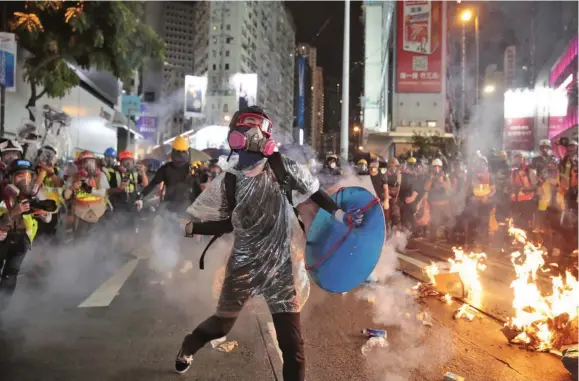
371,332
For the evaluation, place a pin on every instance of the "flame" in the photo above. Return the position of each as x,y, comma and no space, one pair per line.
544,321
430,271
447,298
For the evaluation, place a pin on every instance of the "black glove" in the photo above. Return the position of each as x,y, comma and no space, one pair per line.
85,187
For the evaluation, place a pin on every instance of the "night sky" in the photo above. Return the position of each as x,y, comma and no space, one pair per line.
310,17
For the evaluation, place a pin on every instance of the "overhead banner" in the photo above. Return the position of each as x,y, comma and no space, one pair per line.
518,135
195,88
419,47
8,61
246,89
147,125
520,110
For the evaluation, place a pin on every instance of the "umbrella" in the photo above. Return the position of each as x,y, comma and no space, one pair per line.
196,155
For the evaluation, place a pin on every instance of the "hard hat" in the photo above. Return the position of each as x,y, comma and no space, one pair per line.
180,144
573,143
436,163
502,154
362,161
10,146
85,155
19,166
412,160
545,142
126,155
110,152
393,161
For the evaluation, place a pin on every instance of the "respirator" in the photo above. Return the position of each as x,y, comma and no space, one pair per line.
252,132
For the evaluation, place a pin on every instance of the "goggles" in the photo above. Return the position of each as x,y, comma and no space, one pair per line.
252,120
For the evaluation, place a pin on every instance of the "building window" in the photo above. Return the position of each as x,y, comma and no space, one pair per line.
228,27
214,67
229,40
214,54
226,66
225,107
227,53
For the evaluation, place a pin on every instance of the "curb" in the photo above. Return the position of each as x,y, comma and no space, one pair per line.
271,347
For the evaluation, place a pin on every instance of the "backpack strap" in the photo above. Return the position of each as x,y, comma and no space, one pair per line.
230,181
284,181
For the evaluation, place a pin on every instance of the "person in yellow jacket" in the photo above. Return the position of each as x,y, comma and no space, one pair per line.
18,225
87,191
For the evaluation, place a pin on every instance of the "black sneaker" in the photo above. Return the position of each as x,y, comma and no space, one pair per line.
182,362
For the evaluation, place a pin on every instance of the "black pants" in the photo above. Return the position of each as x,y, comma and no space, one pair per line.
12,253
289,337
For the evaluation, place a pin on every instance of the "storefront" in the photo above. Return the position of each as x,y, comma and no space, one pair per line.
563,77
91,126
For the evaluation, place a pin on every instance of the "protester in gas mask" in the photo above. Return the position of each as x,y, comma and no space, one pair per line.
331,172
109,163
18,224
522,185
48,177
10,150
438,188
255,200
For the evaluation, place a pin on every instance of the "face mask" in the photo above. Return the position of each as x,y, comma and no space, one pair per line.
180,158
250,139
47,157
248,159
332,165
383,170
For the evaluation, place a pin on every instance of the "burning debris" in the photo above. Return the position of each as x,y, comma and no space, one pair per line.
541,322
463,313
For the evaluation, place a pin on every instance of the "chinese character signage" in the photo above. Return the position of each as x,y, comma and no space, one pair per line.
8,61
419,47
518,134
147,123
131,106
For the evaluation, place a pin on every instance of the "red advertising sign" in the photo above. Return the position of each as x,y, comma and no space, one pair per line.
518,135
419,47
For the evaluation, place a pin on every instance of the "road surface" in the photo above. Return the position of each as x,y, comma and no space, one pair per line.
105,320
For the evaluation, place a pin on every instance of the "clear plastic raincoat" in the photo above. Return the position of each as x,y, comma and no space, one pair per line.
267,257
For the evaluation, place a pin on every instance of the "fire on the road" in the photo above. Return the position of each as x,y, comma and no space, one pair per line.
541,321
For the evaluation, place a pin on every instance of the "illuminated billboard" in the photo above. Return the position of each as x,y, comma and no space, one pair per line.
245,86
195,88
520,110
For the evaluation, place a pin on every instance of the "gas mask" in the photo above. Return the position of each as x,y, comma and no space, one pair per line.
179,157
9,156
24,181
128,164
110,161
90,166
251,132
47,156
332,164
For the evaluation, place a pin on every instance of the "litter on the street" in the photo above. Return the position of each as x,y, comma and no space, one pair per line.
449,376
463,313
227,346
371,332
374,342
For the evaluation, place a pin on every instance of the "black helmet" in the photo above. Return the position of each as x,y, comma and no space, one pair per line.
18,166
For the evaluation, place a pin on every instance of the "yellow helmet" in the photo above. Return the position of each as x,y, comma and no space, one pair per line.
180,144
412,160
362,162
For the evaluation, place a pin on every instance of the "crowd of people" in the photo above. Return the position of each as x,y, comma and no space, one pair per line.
473,201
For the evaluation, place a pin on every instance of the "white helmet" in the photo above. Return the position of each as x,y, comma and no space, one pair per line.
436,163
10,145
545,142
573,143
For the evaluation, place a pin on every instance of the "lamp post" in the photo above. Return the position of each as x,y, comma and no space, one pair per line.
465,17
344,131
356,130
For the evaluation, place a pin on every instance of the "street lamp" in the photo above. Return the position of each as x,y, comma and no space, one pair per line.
465,16
489,89
360,148
356,129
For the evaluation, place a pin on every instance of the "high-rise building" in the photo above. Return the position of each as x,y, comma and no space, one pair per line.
247,56
303,99
307,55
318,96
162,82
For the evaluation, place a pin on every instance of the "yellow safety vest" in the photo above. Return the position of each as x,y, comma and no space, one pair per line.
546,195
133,179
30,224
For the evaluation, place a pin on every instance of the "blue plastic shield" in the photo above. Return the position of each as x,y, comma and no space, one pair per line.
353,260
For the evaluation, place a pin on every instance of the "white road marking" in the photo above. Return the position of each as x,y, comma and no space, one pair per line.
104,295
273,335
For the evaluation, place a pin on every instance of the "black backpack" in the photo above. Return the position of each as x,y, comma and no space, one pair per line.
285,183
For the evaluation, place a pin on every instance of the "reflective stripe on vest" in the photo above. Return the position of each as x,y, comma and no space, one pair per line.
521,179
133,177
